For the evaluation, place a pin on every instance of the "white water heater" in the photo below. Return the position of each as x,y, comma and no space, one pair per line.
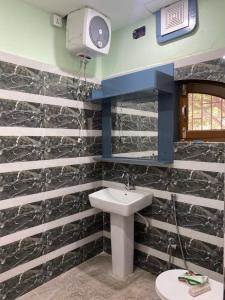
88,33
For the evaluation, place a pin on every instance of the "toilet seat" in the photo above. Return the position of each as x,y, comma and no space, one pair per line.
169,288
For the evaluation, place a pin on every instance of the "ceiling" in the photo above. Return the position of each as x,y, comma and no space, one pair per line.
120,12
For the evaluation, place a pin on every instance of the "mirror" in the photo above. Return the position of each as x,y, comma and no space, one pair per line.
135,127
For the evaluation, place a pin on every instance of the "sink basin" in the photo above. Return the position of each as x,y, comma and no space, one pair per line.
122,205
121,202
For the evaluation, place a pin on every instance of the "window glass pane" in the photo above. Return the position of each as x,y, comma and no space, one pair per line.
197,124
206,98
205,112
190,111
223,107
197,103
223,123
216,115
206,117
215,99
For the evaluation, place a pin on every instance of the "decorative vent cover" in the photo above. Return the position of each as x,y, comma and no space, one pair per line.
174,17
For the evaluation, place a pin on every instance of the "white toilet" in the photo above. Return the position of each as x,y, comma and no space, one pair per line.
169,288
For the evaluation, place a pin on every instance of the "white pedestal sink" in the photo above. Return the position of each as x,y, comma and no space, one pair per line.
122,205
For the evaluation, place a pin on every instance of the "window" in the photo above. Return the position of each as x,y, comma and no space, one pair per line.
202,111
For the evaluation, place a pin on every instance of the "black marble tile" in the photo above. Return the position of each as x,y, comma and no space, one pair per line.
106,221
60,147
71,118
22,251
92,249
73,175
20,78
29,80
63,235
200,253
203,219
59,86
21,217
35,181
199,218
21,148
197,183
92,225
29,114
206,152
212,70
21,114
67,205
66,87
16,184
23,283
107,245
63,263
149,263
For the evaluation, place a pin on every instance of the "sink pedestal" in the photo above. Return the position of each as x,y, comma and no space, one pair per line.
122,241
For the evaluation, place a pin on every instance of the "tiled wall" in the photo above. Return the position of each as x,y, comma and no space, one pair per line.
48,137
197,177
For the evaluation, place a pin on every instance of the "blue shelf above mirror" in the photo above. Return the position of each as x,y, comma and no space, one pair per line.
146,82
133,87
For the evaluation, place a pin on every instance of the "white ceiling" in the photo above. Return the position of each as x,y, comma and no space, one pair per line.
120,12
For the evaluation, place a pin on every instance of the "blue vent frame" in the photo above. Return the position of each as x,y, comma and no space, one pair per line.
147,82
181,32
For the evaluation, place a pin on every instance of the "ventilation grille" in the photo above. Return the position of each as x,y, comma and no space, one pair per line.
174,17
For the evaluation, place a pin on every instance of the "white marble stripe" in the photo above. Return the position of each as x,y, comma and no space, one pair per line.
193,234
34,98
198,165
135,154
30,63
22,200
133,133
199,57
189,199
177,261
136,112
47,257
40,164
26,131
13,237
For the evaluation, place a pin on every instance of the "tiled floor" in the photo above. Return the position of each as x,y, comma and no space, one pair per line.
93,281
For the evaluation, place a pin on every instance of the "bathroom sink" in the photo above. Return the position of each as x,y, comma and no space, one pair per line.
122,205
121,202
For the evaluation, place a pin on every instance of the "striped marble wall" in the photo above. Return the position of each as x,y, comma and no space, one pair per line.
48,138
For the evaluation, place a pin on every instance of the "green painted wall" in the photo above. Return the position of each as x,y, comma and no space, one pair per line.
127,54
26,31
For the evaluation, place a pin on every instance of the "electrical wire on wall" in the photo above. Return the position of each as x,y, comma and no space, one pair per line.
81,86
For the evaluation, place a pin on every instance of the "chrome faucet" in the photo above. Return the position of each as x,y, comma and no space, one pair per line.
128,180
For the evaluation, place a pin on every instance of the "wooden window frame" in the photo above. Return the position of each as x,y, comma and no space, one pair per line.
202,87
